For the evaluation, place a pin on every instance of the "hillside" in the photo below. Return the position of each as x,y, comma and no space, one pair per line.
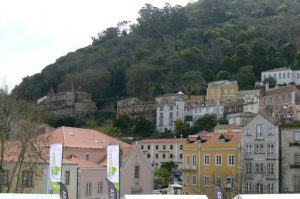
178,48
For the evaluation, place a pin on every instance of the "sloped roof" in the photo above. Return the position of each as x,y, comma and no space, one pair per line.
84,163
284,89
81,138
163,140
215,137
221,82
277,69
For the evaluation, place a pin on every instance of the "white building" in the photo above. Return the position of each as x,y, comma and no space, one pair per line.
282,75
251,100
212,108
169,109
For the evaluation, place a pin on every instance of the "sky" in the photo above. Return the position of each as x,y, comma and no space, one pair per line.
34,33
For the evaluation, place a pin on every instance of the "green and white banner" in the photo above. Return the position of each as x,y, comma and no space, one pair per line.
113,165
55,165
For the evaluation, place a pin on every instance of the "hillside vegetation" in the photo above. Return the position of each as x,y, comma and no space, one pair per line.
178,48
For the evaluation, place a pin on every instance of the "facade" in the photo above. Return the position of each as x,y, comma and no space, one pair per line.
251,100
260,156
212,108
222,90
158,151
282,75
212,159
233,106
192,112
290,158
135,109
227,128
70,103
281,102
169,109
239,118
87,148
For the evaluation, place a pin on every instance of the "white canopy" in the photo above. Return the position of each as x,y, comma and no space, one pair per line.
267,196
28,196
165,196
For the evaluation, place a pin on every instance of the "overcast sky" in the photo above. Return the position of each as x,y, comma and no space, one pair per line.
34,33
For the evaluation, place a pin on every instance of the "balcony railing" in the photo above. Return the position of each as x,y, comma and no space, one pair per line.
189,167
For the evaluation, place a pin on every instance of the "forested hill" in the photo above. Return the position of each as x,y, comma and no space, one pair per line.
178,48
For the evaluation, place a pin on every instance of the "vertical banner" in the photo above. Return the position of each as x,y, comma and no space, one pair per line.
63,191
113,167
219,194
55,165
112,192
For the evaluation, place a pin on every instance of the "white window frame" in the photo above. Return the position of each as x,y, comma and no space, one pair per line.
194,160
206,159
218,159
206,181
194,180
231,159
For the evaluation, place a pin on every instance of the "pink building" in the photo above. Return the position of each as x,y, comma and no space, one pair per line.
87,148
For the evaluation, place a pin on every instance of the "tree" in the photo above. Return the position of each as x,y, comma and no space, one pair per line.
143,128
162,177
192,82
223,75
289,51
19,126
246,77
271,81
207,122
124,123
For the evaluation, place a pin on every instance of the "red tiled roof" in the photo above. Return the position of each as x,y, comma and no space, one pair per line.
163,140
284,89
227,126
84,163
81,138
234,137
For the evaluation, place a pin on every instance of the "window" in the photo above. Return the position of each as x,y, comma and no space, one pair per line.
148,147
249,149
283,75
164,155
142,147
248,168
156,147
4,177
27,178
181,147
187,180
148,155
288,75
87,156
100,187
161,119
270,131
194,160
259,188
170,118
67,178
279,75
270,188
248,187
298,76
171,108
259,148
297,158
156,155
270,168
180,156
88,189
164,147
171,155
218,181
248,132
187,160
296,184
194,180
218,160
171,147
259,167
297,136
270,149
206,159
231,160
258,131
206,181
137,171
161,108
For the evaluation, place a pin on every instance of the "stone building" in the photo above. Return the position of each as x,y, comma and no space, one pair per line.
68,103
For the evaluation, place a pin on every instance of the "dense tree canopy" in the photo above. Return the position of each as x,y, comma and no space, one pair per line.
170,46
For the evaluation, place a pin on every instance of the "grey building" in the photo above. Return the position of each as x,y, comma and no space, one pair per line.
260,155
290,154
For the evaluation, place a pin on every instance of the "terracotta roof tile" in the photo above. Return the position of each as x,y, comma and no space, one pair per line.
81,138
163,140
84,163
284,89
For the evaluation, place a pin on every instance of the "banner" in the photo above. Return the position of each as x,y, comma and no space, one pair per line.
113,167
63,191
112,192
55,165
219,194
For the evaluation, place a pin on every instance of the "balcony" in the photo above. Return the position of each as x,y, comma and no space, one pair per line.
271,156
189,167
295,166
271,176
294,143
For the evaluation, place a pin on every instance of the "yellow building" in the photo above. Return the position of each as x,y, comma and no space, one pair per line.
222,90
212,159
